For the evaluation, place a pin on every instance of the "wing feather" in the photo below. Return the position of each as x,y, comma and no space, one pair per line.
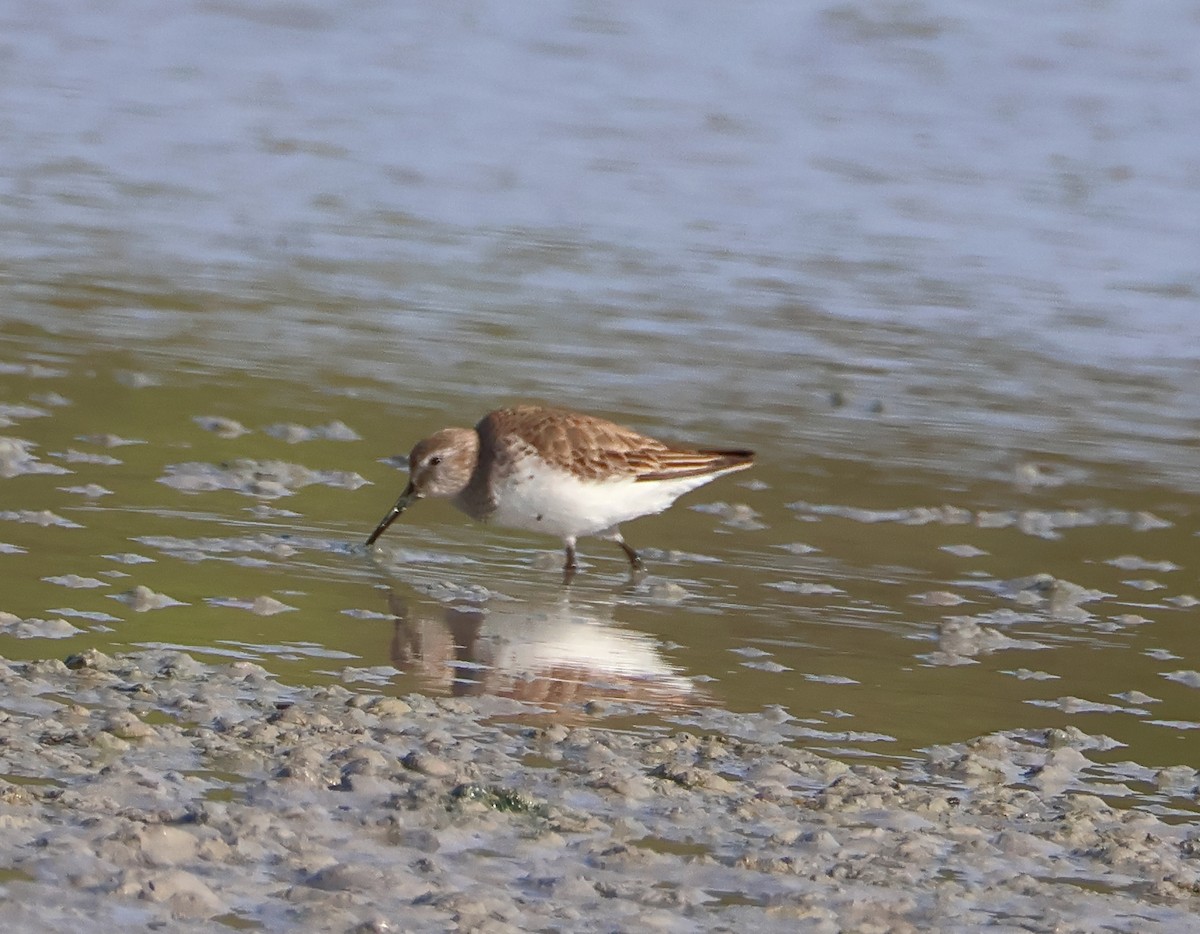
595,448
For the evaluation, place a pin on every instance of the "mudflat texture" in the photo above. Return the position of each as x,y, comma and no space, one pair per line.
150,789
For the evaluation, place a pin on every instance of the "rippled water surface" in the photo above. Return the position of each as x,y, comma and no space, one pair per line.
935,262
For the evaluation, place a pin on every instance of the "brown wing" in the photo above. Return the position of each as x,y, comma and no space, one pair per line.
677,464
595,447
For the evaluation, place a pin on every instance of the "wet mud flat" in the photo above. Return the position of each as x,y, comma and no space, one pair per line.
151,790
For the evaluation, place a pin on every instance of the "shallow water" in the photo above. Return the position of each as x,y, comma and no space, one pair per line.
935,264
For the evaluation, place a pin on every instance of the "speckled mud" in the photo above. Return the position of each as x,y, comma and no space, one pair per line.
151,789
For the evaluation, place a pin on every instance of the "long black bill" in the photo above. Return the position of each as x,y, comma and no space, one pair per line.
406,497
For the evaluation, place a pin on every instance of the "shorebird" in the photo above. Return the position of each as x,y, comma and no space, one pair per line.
558,472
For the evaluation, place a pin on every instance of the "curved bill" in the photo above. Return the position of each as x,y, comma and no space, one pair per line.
406,497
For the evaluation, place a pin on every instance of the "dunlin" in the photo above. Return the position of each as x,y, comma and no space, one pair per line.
557,472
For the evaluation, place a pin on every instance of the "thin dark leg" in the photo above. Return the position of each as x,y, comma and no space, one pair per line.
635,560
570,567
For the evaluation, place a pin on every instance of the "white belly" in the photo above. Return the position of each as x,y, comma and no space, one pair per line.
557,503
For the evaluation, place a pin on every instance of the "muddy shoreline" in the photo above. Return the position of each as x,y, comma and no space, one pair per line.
152,789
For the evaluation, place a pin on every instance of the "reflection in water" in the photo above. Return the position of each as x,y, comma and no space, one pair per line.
556,653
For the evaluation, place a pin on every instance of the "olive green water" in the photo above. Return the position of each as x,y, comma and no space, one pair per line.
811,595
949,395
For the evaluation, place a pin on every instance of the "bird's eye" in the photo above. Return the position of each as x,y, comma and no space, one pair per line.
435,460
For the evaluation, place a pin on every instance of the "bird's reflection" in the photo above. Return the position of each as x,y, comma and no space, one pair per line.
561,653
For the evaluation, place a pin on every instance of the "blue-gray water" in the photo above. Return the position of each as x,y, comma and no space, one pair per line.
917,254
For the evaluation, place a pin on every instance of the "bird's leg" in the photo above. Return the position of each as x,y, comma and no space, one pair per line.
570,567
635,560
